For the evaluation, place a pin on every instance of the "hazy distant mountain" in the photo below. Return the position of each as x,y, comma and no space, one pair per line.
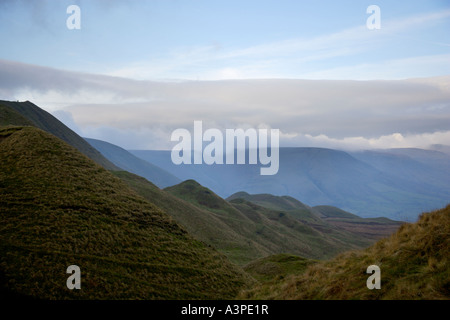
399,189
425,171
440,147
27,113
129,162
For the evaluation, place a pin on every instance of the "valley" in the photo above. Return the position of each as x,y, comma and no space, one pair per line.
139,231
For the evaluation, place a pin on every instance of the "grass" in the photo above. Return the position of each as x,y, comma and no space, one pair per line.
271,271
58,208
414,264
266,230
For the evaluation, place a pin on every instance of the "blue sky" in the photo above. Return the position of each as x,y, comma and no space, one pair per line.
137,70
211,40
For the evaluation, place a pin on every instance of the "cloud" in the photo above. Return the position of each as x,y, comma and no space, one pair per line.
327,112
395,140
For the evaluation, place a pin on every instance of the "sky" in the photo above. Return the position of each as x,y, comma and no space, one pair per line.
137,70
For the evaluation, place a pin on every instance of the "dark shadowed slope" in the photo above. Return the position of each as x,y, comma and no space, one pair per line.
59,208
127,161
45,121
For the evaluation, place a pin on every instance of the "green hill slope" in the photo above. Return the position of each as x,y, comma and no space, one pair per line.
371,228
41,119
327,219
285,204
200,222
414,264
273,230
9,116
59,208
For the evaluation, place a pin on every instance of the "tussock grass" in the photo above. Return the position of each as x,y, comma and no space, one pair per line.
414,264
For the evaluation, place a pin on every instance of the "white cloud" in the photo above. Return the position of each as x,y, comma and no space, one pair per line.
326,112
395,140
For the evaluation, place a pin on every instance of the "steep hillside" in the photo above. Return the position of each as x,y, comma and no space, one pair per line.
200,222
414,264
40,118
125,160
9,116
58,208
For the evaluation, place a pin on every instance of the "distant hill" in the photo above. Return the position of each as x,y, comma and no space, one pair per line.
27,113
127,161
371,228
325,218
414,264
441,148
286,204
59,208
399,187
269,230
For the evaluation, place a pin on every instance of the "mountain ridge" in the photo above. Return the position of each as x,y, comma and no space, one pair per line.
318,176
41,119
129,162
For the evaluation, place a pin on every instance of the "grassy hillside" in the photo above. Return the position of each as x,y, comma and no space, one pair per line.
40,118
9,116
327,219
272,231
414,264
125,160
200,222
271,271
278,266
59,208
280,203
241,230
371,228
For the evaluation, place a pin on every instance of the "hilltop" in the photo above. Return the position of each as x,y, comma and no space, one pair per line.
59,208
414,264
28,114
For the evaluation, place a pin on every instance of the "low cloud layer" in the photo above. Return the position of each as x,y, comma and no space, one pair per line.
328,113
